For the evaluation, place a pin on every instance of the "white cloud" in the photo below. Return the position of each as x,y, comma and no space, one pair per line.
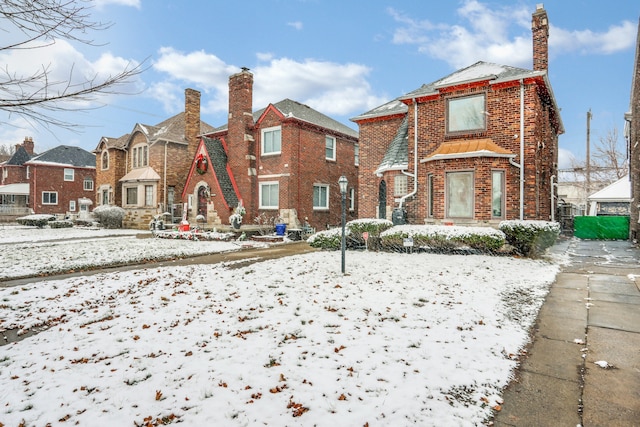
297,25
100,4
566,159
332,88
501,35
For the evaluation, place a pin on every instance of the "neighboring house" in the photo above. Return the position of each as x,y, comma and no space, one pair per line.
283,161
632,134
14,181
144,171
59,181
614,199
476,147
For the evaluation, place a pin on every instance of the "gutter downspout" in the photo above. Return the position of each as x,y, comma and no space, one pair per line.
415,156
521,164
553,208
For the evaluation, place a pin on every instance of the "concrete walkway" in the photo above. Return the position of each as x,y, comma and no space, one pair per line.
583,367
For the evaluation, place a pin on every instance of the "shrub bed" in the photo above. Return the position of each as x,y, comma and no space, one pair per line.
61,224
38,220
109,216
530,238
443,238
327,239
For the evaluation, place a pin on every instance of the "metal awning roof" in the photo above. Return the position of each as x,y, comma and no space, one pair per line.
20,189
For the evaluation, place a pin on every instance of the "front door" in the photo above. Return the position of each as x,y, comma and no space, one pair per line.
382,200
202,201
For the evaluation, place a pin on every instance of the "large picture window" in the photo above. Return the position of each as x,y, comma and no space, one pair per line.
49,197
497,194
269,193
466,114
320,196
460,195
132,196
271,141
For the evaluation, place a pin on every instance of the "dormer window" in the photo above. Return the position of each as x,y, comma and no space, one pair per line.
466,114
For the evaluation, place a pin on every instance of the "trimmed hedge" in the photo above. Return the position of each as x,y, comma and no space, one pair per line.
109,216
530,238
37,220
444,238
61,224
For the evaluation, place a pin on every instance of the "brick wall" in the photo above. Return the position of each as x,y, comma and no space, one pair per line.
51,179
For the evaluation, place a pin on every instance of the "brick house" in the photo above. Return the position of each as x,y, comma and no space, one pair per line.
144,171
283,160
59,181
475,147
632,134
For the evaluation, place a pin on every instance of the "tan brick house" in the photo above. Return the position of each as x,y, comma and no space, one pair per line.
476,147
59,181
144,171
283,160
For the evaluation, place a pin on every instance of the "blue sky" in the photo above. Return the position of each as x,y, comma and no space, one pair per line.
340,57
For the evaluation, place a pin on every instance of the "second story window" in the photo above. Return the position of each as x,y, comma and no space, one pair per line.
88,184
105,160
466,114
140,156
68,174
330,148
356,154
272,140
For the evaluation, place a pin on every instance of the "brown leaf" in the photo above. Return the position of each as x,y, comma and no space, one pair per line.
158,395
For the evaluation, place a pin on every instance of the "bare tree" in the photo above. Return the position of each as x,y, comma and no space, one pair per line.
608,161
37,96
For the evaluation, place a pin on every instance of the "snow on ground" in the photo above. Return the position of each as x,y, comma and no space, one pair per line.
402,339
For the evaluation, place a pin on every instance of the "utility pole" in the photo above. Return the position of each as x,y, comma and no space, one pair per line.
588,165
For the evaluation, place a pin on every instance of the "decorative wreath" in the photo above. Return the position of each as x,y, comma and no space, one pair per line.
201,164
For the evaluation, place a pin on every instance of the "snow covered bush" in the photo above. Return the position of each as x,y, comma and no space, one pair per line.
327,239
530,238
373,226
443,238
109,216
37,220
61,224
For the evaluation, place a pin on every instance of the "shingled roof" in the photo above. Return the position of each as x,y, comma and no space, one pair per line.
67,155
20,157
397,155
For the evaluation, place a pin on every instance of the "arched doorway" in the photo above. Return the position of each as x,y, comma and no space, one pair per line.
202,201
382,200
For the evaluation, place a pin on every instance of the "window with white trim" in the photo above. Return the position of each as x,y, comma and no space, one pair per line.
49,197
105,160
148,195
132,196
352,199
320,196
356,154
460,192
329,148
271,140
69,174
269,194
88,183
497,194
466,114
72,205
140,156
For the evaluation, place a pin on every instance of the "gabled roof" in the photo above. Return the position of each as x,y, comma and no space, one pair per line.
20,157
218,157
619,191
171,129
468,148
66,155
477,72
119,143
293,109
397,155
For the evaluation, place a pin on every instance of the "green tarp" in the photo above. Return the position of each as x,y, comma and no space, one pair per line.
601,227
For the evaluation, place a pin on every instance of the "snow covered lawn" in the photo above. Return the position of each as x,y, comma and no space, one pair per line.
420,339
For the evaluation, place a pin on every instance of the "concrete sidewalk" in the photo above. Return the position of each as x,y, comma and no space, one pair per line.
583,367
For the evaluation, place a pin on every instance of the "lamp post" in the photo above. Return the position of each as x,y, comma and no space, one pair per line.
343,192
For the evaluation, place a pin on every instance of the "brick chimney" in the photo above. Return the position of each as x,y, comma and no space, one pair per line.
191,120
27,144
240,139
540,32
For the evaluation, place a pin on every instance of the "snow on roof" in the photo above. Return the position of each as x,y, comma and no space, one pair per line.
619,191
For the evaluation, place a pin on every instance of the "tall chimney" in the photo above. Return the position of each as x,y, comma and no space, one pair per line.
240,139
28,144
191,120
540,32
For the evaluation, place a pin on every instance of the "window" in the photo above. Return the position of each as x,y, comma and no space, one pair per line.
68,174
28,171
400,185
105,197
269,192
88,184
72,205
132,196
329,148
148,195
49,197
271,141
140,156
430,196
460,195
497,191
105,160
466,114
356,154
320,196
352,199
